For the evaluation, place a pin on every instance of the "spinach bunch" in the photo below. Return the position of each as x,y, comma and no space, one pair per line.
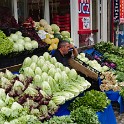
94,99
84,115
60,120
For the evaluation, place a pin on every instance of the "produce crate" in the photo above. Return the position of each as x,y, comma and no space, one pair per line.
81,68
14,69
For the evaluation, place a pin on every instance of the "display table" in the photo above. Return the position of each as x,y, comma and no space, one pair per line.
115,97
105,117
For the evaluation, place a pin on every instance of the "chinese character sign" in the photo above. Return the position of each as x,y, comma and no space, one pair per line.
84,14
116,10
122,11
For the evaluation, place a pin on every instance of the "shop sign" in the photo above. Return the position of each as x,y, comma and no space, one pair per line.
116,10
122,11
84,14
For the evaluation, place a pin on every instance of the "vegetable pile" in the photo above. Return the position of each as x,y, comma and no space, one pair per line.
92,63
32,97
22,43
110,82
6,46
96,100
54,78
84,115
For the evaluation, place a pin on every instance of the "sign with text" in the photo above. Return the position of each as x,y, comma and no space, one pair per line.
122,11
116,10
84,15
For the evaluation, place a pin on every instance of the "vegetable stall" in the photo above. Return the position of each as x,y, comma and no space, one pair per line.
41,85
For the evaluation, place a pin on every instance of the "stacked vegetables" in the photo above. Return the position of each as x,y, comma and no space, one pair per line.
22,43
92,63
6,46
83,109
51,34
55,79
96,100
42,86
109,82
20,100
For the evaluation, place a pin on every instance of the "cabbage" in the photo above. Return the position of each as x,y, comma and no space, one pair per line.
45,68
2,94
44,76
34,44
28,46
53,60
33,66
19,33
15,47
55,28
21,77
17,106
73,74
52,72
64,76
5,82
14,37
9,100
27,39
67,70
38,71
21,41
46,56
27,62
52,107
31,91
8,74
65,34
37,80
46,87
18,86
28,72
6,111
35,112
34,58
59,65
20,47
40,63
73,90
57,77
58,100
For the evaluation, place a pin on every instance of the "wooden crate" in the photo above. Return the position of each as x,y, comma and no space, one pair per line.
80,68
14,68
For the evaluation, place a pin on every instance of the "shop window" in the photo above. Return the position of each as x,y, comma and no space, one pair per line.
30,8
60,14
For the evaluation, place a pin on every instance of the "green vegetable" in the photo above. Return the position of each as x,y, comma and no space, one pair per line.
84,115
60,120
96,100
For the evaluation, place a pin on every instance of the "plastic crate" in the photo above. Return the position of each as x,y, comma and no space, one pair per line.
113,96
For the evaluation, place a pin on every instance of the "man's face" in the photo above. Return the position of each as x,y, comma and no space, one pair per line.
66,48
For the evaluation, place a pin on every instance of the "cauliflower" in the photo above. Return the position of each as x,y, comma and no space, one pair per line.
55,28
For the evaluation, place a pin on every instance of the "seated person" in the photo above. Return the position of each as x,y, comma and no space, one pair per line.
64,51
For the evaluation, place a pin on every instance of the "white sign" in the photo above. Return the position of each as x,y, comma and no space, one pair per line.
86,22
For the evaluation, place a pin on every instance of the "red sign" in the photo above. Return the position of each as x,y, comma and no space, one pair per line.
84,15
121,11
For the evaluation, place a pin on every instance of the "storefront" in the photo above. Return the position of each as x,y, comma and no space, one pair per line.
83,18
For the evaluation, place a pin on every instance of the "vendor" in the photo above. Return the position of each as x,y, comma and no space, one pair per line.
65,51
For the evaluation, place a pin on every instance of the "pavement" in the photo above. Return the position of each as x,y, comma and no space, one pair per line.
119,116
